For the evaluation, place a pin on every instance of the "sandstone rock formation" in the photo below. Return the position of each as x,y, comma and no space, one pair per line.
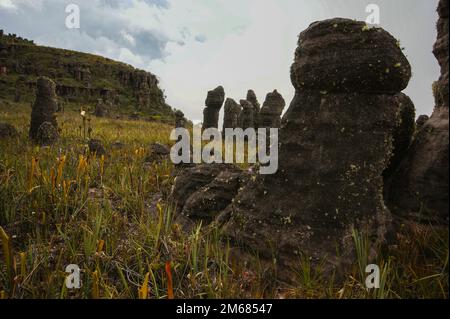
419,188
157,153
203,191
44,107
213,103
7,131
100,108
421,120
47,134
335,143
440,50
232,112
247,119
403,134
270,114
251,97
180,120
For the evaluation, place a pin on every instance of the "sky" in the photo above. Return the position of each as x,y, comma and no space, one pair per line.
194,46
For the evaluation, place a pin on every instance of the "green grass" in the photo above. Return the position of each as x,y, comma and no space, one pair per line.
111,216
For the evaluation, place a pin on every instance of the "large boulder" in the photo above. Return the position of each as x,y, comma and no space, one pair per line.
158,152
335,143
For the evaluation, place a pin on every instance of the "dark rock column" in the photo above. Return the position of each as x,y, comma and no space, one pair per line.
251,97
44,107
270,114
180,120
335,143
213,103
232,112
247,118
419,188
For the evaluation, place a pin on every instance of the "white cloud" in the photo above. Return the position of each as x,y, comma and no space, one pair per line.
195,45
7,4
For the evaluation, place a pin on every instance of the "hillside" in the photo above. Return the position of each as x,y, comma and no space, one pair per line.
82,79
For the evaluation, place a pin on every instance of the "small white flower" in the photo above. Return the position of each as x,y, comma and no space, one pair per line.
83,113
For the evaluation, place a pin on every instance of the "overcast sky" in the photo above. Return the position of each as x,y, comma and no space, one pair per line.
195,45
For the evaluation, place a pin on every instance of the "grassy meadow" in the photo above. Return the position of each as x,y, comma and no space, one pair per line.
111,216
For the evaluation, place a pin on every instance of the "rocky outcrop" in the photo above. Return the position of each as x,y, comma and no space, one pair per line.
232,112
101,109
335,143
251,97
157,153
421,120
180,120
214,101
44,107
47,134
440,50
80,78
419,188
317,65
248,117
270,114
403,134
209,200
203,191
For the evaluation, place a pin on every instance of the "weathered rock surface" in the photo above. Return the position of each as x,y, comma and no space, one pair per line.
232,112
251,97
248,117
362,65
440,50
270,114
47,134
334,148
192,179
157,153
180,120
419,189
44,107
403,134
7,131
209,200
213,103
421,120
